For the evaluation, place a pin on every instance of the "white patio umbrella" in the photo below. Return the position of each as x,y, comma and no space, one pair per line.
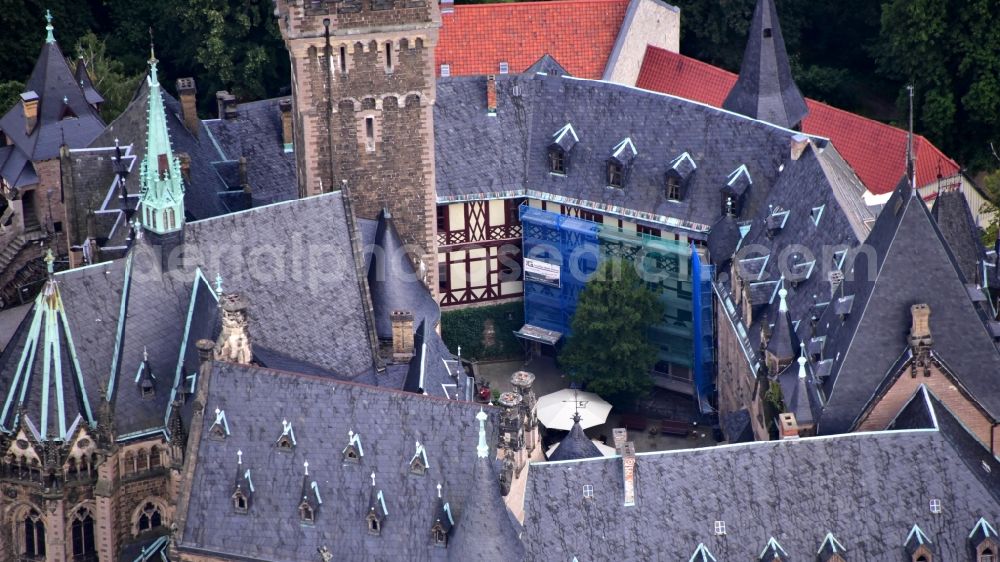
604,449
556,410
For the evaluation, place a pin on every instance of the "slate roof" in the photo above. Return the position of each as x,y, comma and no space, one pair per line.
91,175
954,220
255,133
580,34
765,88
479,155
876,151
393,282
910,263
867,489
322,411
91,94
64,117
576,445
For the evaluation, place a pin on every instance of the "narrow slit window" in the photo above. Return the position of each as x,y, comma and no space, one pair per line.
343,59
370,133
388,57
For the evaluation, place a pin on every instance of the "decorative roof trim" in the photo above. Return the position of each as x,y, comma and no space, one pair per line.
988,530
420,452
246,476
286,429
199,275
835,545
447,509
220,420
315,488
774,545
621,146
735,174
701,554
355,440
116,358
817,213
685,156
566,129
918,534
381,501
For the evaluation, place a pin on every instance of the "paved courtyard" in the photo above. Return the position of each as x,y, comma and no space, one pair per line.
659,405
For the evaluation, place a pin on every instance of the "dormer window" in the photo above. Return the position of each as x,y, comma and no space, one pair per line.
563,142
240,502
673,187
418,463
557,161
987,556
353,451
440,536
220,428
286,442
984,541
306,513
374,525
616,175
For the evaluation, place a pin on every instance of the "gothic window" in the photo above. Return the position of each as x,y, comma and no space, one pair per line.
285,443
615,175
557,161
351,454
343,59
143,461
150,518
84,547
172,218
154,457
417,465
440,536
128,463
306,513
375,526
33,535
240,503
673,187
987,555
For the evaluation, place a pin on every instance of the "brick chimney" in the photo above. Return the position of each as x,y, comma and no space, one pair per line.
226,104
286,124
185,160
402,334
491,94
799,144
244,182
186,91
788,427
29,102
628,472
920,327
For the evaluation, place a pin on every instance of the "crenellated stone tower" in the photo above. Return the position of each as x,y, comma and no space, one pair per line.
363,90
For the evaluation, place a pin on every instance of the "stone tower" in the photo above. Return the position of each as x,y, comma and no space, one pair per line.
363,90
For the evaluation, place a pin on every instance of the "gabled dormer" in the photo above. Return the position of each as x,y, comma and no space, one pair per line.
983,542
443,522
354,451
678,176
559,150
286,441
220,427
738,182
311,498
773,552
145,380
242,487
418,463
777,218
375,518
831,550
918,546
702,554
620,162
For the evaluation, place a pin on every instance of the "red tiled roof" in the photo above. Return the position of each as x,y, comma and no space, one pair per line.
876,151
579,34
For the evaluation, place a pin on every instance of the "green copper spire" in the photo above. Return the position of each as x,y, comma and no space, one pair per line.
162,193
49,37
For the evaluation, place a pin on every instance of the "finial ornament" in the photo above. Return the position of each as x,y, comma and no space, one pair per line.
373,478
439,490
50,260
782,293
239,457
482,450
49,36
802,360
218,284
306,465
145,354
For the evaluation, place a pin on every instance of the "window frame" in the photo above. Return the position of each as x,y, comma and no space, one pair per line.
615,175
557,161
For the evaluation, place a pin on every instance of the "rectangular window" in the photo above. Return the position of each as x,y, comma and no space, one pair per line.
442,218
445,70
592,217
673,188
935,506
388,57
720,527
588,491
557,162
504,68
370,133
443,277
647,230
614,175
343,59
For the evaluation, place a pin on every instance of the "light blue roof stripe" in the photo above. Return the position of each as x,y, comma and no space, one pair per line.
112,381
12,391
198,276
76,365
46,352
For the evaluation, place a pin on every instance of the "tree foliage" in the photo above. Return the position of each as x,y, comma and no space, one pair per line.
108,75
608,350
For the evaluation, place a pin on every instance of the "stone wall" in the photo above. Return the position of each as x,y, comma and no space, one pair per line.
735,381
647,22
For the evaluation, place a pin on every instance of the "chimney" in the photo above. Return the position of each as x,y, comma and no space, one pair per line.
244,182
205,355
628,472
185,160
226,103
29,101
186,90
233,344
788,427
799,144
402,334
491,95
522,381
920,329
286,124
619,436
447,6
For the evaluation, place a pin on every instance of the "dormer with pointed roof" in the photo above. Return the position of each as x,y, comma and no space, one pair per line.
773,552
377,512
783,342
984,542
145,380
162,192
765,89
831,550
918,546
443,521
90,93
311,498
242,487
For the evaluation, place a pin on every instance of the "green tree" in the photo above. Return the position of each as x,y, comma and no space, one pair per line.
608,350
10,93
108,75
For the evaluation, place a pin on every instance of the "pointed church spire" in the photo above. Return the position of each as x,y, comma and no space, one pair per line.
765,89
49,36
162,194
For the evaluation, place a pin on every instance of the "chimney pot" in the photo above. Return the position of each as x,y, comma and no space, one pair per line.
186,90
628,472
226,103
920,327
788,426
185,160
286,124
491,94
29,102
205,349
402,334
799,144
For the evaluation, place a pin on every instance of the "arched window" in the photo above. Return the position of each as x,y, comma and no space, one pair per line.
84,546
33,545
128,463
142,459
306,513
374,525
150,518
987,555
154,457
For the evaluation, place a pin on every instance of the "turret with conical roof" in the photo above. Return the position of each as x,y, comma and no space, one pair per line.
765,89
576,445
162,193
783,342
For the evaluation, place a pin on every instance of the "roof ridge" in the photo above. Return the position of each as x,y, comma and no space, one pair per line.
533,4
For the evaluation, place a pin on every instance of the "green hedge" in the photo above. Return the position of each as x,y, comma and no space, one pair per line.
465,328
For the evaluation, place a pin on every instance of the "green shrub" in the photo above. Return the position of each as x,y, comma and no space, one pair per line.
465,328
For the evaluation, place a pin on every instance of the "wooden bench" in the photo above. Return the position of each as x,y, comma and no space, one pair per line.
671,427
634,422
